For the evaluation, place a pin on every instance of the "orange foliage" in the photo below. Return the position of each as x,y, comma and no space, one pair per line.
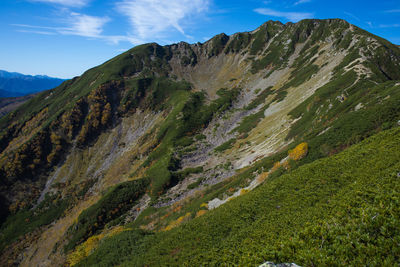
166,216
200,213
261,178
286,165
276,166
178,208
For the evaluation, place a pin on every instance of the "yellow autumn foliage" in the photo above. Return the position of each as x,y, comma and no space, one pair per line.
85,249
299,152
204,205
177,222
243,191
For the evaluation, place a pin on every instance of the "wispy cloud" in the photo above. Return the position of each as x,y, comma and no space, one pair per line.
84,25
69,3
392,11
36,32
396,25
77,24
301,2
154,18
381,26
80,25
34,27
292,16
351,15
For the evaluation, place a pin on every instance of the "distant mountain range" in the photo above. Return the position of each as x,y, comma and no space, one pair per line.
14,84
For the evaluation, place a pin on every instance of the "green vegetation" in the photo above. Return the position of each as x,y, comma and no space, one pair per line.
150,92
260,39
260,99
200,137
180,175
272,59
344,125
280,95
239,42
218,44
195,115
283,46
305,55
359,185
251,121
184,141
195,184
28,220
227,145
301,75
117,201
263,35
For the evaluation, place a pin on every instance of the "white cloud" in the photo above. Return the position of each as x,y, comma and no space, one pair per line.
84,25
70,3
301,2
292,16
153,18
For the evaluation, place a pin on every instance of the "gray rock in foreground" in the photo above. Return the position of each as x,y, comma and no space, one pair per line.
271,264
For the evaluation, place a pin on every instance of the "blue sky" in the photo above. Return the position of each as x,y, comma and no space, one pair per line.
63,38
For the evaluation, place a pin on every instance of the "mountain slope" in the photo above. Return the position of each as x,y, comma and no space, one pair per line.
344,201
13,84
150,138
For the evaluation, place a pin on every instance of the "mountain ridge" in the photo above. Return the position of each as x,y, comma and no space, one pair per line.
132,140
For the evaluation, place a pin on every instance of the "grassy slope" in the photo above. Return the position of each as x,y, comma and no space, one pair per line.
356,192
